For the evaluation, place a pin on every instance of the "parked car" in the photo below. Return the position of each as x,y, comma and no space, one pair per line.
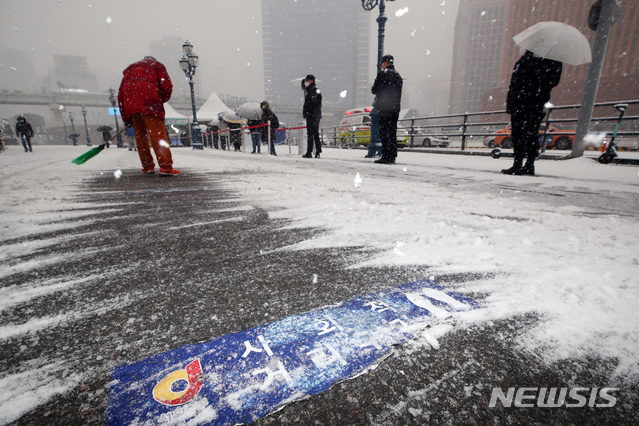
421,137
356,124
503,138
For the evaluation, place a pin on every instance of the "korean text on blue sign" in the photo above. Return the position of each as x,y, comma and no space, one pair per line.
241,377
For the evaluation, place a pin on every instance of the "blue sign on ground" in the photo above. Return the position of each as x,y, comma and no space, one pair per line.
241,377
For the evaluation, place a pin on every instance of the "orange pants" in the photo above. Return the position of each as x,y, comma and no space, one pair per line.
149,131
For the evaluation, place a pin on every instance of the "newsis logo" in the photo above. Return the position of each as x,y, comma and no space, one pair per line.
554,397
190,378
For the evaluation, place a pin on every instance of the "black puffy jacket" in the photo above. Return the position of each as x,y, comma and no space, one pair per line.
388,89
312,102
24,128
269,115
531,82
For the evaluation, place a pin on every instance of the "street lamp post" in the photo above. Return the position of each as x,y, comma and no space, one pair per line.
381,23
86,128
66,134
113,100
71,118
73,135
188,64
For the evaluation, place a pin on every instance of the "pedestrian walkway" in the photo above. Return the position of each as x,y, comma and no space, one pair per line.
101,270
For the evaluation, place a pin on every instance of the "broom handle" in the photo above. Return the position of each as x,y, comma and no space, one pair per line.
106,144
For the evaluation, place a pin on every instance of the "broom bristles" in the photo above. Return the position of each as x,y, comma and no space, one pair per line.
88,155
95,151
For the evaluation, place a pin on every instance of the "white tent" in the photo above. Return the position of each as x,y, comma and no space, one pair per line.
211,108
171,116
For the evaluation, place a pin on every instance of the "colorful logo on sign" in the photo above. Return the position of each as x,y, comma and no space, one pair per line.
257,371
192,374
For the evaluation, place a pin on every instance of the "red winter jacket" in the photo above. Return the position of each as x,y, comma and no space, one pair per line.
145,88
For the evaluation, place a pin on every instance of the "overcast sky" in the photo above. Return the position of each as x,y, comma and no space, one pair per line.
227,36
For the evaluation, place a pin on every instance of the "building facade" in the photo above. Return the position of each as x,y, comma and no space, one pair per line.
478,53
329,39
70,74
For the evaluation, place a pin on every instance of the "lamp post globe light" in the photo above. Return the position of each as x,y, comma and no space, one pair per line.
86,128
188,64
113,100
381,23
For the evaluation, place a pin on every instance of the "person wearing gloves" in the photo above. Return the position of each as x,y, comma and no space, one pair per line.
388,91
532,80
25,132
145,87
312,112
269,117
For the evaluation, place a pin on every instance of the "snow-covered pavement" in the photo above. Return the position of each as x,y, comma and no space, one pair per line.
560,246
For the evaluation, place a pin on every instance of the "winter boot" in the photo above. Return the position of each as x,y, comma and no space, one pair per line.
528,169
307,155
317,155
169,172
385,160
515,168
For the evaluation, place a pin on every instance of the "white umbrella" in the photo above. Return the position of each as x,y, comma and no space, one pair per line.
296,82
230,117
557,41
249,110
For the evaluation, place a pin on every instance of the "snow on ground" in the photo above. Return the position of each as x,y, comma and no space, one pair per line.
578,270
539,252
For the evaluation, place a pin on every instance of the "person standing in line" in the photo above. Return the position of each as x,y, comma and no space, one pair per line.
25,132
312,112
269,115
374,146
130,138
235,136
145,87
106,135
531,82
388,91
256,134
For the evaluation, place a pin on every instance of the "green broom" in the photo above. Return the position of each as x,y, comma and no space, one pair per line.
95,151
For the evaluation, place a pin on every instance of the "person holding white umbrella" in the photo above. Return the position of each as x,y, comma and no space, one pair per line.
532,80
545,46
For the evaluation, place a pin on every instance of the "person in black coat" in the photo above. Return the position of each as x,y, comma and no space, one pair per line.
25,132
268,116
312,112
106,135
388,91
532,80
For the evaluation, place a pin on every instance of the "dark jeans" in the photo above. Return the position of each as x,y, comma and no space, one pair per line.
525,134
375,144
26,140
312,132
388,133
257,140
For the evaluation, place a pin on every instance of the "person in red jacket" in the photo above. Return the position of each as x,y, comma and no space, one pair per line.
145,87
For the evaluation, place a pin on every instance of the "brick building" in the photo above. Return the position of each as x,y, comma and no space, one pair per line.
620,74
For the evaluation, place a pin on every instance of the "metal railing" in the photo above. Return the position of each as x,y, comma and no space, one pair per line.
348,137
469,125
